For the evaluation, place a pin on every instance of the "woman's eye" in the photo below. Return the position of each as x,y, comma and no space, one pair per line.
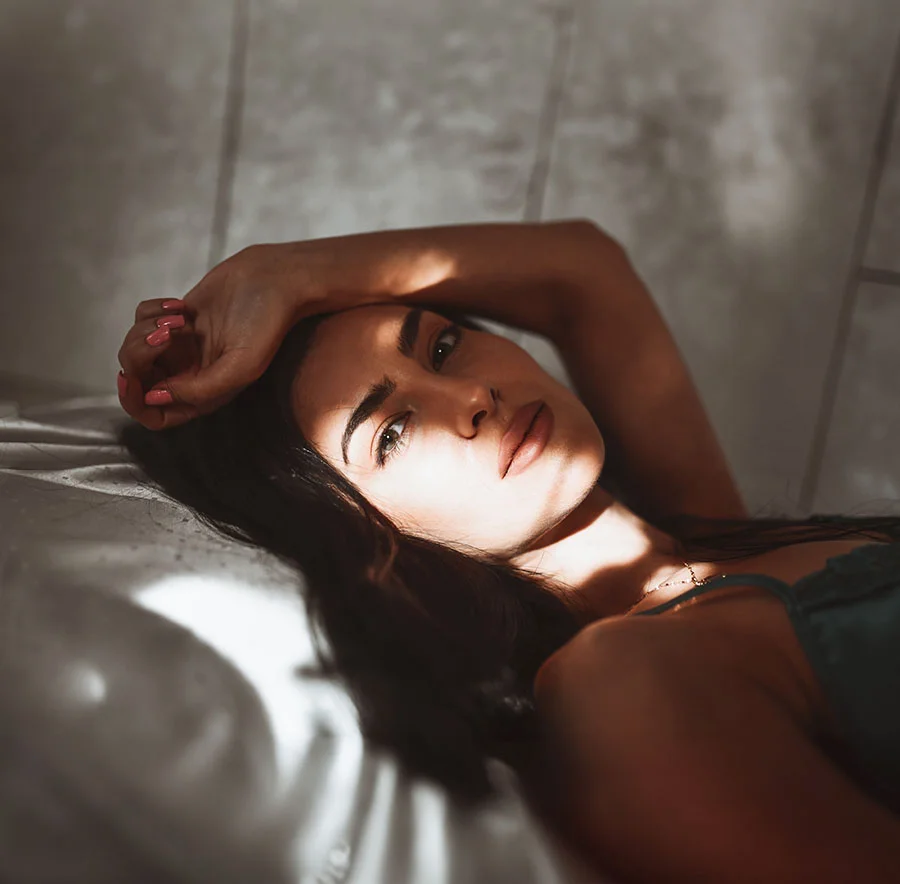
389,443
456,333
385,452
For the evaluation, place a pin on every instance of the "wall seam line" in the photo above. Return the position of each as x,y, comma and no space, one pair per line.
834,369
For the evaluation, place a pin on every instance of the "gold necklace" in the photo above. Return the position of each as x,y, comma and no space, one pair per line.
694,579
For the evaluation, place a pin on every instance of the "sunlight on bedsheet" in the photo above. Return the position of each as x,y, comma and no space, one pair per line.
264,633
81,684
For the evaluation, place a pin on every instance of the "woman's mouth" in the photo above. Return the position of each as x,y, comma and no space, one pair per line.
525,439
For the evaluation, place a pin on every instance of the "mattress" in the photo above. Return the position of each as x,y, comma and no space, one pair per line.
155,716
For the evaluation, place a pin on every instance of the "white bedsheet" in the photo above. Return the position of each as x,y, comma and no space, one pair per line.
148,669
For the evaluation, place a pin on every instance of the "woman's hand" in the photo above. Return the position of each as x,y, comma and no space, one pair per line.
203,350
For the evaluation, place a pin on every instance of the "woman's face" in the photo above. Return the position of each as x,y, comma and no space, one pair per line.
427,453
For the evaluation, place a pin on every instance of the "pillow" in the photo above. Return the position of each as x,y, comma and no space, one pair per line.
153,720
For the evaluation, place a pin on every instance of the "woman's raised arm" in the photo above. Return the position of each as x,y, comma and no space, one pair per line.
565,280
662,448
237,315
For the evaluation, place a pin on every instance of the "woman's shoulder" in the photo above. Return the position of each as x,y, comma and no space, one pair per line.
615,652
701,764
626,666
605,695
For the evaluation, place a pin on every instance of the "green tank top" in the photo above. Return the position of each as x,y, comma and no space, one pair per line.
847,619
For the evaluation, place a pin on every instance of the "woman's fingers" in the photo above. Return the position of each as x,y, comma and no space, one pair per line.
131,397
147,358
146,340
158,307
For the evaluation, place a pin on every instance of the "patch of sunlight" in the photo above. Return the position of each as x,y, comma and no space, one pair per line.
264,633
82,683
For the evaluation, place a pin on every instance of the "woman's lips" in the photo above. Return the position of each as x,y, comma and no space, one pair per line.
525,438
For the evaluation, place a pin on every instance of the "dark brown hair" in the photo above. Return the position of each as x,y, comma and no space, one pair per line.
438,649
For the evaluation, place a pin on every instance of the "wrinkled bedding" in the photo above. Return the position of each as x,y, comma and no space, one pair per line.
151,706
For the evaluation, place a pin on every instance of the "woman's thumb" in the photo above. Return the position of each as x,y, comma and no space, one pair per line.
211,387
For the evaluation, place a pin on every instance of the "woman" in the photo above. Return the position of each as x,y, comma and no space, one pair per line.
482,547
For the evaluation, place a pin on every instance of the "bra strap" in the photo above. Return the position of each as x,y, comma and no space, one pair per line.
773,584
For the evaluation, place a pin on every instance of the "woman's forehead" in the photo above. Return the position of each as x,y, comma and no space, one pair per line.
352,349
352,336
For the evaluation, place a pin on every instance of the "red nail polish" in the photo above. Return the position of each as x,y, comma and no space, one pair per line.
122,384
160,336
158,397
170,322
173,304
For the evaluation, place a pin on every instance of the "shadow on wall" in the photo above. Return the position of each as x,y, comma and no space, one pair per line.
97,171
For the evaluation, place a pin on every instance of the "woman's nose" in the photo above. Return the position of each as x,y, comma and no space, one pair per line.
484,411
474,402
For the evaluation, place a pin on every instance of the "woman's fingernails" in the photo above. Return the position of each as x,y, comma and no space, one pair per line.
122,384
173,304
158,397
160,336
170,322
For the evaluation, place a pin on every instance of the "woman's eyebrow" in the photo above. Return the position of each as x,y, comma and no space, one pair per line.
409,332
379,392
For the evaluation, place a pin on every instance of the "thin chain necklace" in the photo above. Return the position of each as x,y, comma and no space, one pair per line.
694,580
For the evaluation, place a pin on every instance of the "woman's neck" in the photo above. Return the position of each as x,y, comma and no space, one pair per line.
606,554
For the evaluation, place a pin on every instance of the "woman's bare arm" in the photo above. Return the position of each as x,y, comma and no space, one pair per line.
627,368
522,275
683,773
